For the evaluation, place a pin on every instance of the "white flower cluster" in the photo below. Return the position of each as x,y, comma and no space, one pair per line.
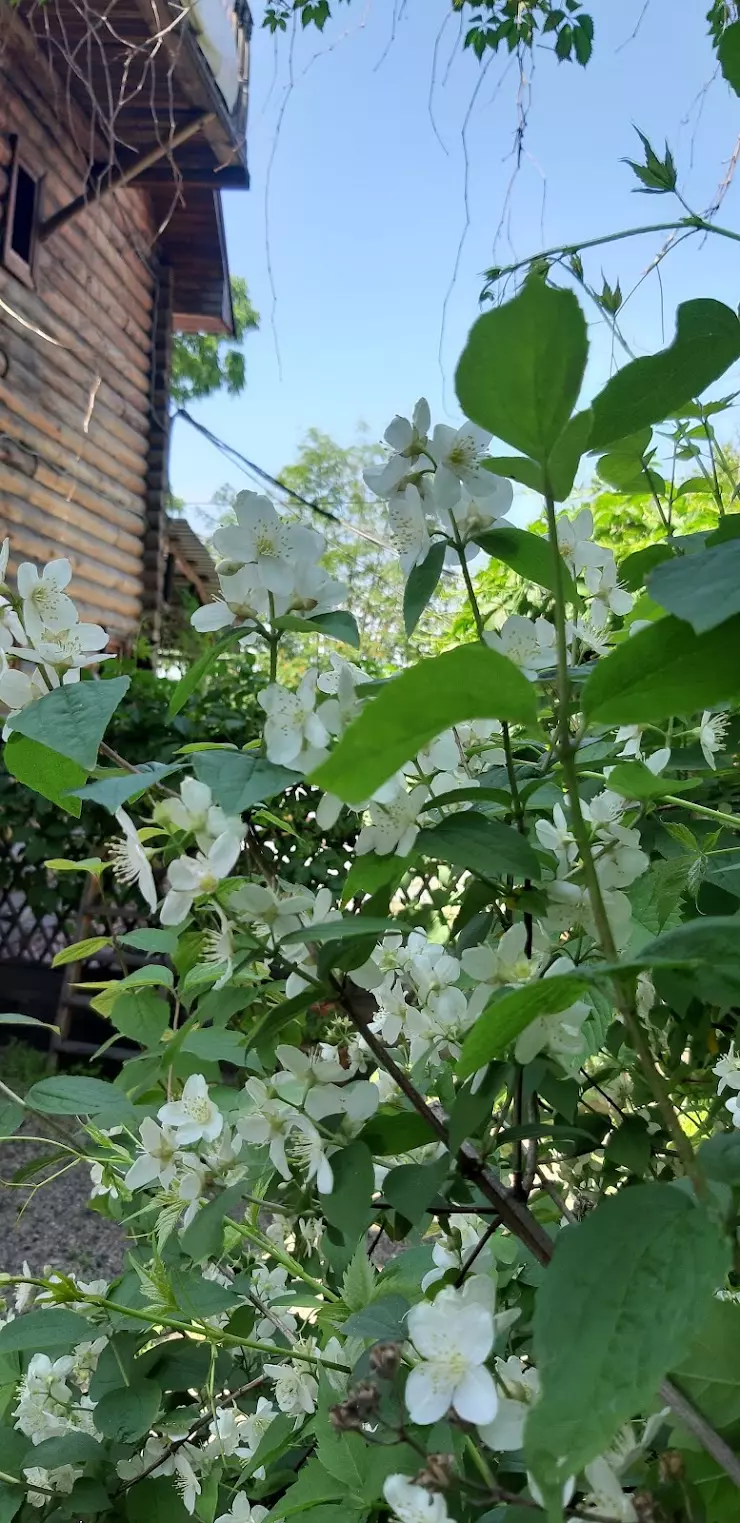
269,568
41,626
52,1397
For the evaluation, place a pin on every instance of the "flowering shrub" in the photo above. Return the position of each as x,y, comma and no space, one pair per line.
501,1039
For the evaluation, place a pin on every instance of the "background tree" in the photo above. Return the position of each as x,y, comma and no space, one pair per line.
203,364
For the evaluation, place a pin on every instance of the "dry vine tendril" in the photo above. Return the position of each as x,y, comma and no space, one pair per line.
506,1041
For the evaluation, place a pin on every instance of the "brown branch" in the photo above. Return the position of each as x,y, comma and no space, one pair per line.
177,1443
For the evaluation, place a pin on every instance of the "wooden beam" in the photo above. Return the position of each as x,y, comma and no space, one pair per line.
124,177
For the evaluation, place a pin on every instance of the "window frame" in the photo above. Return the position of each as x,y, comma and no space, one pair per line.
23,269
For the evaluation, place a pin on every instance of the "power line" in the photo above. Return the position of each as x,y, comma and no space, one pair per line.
251,469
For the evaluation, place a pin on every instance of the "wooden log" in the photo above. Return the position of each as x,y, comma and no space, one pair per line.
77,528
31,351
70,455
79,408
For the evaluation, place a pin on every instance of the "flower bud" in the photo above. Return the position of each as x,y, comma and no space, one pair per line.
385,1359
437,1472
671,1465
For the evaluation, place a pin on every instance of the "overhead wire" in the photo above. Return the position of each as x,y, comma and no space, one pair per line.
252,470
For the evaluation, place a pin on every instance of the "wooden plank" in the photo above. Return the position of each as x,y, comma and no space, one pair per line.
69,454
77,529
77,406
34,354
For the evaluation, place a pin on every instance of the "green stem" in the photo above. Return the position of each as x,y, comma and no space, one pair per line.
274,639
624,997
733,820
254,1235
695,224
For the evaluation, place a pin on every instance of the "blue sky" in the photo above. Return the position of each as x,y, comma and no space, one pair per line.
352,268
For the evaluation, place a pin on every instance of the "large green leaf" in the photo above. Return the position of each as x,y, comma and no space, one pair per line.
663,670
482,846
521,370
710,1373
703,589
57,1328
383,1320
348,1206
505,1017
421,585
45,771
529,555
73,720
635,781
64,1095
339,625
115,790
411,1187
711,946
646,391
470,682
127,1414
141,1015
238,779
625,1295
203,1238
728,53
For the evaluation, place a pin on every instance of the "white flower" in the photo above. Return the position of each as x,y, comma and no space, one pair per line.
296,1389
61,1479
314,591
529,643
243,598
269,913
408,440
556,837
269,1124
414,1504
130,861
103,1182
195,812
292,721
243,1511
4,558
575,542
712,731
393,825
45,603
73,648
609,596
727,1070
156,1160
472,515
558,1033
12,633
191,876
458,453
518,1388
453,1336
605,1497
451,1251
408,526
392,1010
17,690
310,1150
193,1117
254,1428
260,537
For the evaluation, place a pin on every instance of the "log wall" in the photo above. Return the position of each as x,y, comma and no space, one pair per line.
78,365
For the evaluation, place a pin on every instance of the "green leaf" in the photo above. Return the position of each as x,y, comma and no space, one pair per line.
70,1449
11,1499
127,1414
664,670
44,771
340,625
703,589
239,780
73,720
155,1498
358,1281
193,678
709,1375
79,951
389,1133
412,1187
369,873
629,1146
8,1019
566,454
203,1238
215,1045
709,944
486,847
11,1116
517,468
64,1095
141,1015
149,939
470,1111
719,1158
635,569
509,1014
56,1327
198,1297
529,555
728,53
620,1304
707,342
421,586
314,1485
348,1206
114,791
471,682
383,1321
635,781
521,370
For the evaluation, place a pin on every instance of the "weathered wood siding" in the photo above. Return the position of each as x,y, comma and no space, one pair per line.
76,374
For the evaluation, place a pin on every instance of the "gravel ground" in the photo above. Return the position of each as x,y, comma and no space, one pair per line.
52,1224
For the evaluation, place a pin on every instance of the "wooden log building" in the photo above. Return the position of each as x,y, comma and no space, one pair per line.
119,127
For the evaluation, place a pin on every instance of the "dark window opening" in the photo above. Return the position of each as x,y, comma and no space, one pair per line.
21,219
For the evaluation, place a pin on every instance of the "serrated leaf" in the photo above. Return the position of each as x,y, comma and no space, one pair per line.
627,1291
470,682
728,53
703,589
633,780
348,1206
339,625
383,1321
79,951
358,1281
664,670
141,1015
